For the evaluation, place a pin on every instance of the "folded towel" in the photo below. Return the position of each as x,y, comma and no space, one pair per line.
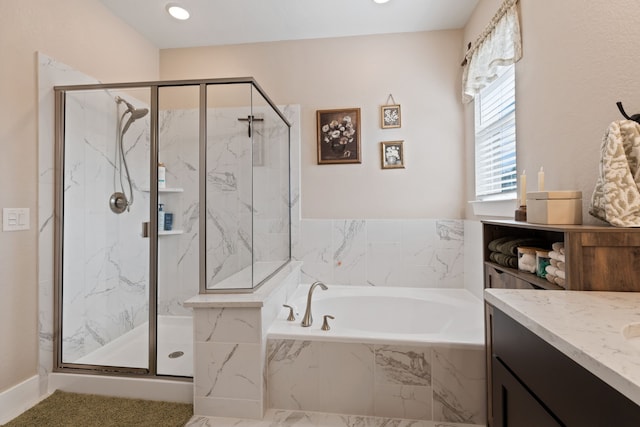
556,255
510,247
557,246
493,245
561,274
504,260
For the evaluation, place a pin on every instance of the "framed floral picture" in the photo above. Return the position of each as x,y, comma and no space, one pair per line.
390,116
392,154
338,136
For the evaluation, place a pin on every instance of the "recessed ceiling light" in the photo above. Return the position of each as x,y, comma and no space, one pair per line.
177,11
380,1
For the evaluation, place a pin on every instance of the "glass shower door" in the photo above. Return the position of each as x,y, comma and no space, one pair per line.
178,226
105,258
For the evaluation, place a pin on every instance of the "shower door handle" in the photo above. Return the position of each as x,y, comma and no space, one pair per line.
145,229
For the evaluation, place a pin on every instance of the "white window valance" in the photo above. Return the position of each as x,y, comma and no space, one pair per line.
499,45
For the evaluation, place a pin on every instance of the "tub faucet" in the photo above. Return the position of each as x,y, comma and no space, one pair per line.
307,320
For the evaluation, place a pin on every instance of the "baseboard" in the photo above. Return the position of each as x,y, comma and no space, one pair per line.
19,398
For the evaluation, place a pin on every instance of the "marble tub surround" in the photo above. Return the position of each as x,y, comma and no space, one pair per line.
586,326
286,418
230,345
380,252
444,384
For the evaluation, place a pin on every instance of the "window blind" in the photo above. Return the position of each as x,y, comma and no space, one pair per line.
495,137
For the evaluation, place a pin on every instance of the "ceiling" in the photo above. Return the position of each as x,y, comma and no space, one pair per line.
222,22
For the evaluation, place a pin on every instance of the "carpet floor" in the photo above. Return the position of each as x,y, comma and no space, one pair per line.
63,409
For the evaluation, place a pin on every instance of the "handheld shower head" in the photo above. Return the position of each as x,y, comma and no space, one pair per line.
136,113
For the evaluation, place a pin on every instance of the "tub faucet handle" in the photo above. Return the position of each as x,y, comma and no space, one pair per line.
292,315
325,322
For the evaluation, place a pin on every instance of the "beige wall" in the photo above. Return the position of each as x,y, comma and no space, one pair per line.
84,35
422,72
579,58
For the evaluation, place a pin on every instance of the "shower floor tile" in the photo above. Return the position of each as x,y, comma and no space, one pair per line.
275,417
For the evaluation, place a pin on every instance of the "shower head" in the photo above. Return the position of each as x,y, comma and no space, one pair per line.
136,113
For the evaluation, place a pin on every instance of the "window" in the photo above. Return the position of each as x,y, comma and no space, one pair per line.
495,138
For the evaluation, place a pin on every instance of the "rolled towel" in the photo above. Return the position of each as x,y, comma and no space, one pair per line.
560,282
557,246
561,274
554,262
556,255
550,269
561,265
561,251
550,278
527,262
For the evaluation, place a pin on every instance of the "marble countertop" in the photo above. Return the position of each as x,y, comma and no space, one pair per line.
584,325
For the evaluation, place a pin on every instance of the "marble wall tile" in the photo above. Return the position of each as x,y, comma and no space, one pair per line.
226,370
227,325
396,252
293,375
321,376
315,250
346,378
414,382
459,385
403,401
287,418
349,252
220,407
403,382
403,365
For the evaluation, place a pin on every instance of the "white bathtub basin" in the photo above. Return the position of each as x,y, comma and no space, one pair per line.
386,315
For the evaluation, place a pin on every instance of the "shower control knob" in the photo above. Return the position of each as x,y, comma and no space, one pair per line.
118,202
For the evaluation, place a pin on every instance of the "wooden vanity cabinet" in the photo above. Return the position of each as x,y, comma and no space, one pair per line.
536,385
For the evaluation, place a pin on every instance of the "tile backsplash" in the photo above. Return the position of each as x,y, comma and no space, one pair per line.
396,252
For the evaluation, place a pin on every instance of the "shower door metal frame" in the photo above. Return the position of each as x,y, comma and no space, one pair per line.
59,133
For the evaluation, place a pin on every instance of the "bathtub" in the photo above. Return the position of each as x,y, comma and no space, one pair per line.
391,352
386,315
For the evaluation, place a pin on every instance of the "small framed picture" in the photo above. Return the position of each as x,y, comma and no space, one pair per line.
392,154
338,136
390,116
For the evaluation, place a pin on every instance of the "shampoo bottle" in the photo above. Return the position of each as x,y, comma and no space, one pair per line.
162,175
160,216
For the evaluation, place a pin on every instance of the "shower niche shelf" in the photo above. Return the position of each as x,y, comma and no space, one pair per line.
167,190
169,232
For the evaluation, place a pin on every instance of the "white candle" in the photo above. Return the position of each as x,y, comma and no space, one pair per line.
541,179
523,189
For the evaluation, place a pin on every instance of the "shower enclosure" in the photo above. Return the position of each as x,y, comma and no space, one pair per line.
134,240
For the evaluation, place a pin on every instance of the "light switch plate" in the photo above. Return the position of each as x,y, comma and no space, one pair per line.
15,219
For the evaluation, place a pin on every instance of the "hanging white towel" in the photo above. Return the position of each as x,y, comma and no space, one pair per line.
616,198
